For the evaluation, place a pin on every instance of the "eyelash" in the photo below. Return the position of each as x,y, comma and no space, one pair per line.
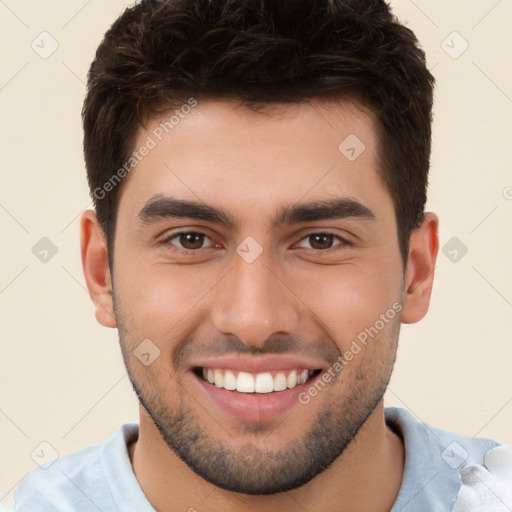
188,252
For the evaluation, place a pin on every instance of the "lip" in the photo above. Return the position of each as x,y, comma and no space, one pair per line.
252,407
259,364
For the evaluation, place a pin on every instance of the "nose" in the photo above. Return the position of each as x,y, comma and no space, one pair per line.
253,302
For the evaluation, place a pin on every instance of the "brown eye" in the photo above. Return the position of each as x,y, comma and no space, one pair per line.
321,240
191,240
187,241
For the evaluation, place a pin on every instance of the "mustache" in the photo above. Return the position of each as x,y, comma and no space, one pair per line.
276,344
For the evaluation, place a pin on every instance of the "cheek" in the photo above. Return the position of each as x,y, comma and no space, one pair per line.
164,302
348,299
158,298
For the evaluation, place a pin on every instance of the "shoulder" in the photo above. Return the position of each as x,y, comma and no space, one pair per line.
446,470
448,448
77,481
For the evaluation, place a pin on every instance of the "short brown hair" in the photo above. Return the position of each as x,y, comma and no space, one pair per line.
158,53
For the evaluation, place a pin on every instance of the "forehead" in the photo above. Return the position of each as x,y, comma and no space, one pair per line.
226,154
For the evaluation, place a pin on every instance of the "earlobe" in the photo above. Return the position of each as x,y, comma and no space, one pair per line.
419,274
95,267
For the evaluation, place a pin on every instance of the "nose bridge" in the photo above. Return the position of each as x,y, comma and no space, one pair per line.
253,303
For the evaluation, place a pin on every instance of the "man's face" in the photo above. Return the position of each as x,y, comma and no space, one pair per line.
265,293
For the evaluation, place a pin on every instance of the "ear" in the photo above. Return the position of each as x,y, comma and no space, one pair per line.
419,274
95,267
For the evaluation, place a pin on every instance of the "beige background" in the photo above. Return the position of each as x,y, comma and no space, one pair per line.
62,377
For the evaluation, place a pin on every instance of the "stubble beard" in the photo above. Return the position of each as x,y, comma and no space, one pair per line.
251,468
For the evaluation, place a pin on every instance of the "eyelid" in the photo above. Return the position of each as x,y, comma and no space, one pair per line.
168,237
343,241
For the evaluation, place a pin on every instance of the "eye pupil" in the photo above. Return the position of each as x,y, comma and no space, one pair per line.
324,240
191,240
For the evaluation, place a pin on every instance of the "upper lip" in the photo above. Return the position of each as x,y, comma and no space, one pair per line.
259,364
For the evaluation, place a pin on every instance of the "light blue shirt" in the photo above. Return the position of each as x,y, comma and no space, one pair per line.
440,468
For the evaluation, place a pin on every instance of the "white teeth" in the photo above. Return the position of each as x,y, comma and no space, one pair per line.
229,380
245,382
280,382
291,381
218,378
264,383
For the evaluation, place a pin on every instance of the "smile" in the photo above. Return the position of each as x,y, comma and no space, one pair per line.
264,382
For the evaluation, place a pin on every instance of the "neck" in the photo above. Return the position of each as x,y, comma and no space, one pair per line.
367,476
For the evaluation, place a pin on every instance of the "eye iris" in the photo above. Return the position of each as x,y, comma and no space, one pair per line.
191,240
323,239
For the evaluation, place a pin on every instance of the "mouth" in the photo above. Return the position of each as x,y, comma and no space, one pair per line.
253,397
275,381
256,389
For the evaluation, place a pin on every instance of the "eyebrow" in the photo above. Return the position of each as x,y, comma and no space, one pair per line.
161,207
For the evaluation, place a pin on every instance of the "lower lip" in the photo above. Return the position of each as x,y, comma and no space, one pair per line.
255,407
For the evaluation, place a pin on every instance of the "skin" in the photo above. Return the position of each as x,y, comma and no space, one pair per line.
213,301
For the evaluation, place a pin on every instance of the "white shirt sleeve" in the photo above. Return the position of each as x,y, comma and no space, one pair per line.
487,488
